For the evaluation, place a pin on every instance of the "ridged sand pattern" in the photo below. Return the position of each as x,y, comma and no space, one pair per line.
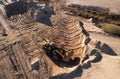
68,35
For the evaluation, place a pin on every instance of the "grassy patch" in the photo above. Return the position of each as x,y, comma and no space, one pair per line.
111,28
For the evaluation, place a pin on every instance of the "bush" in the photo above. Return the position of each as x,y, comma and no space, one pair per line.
111,28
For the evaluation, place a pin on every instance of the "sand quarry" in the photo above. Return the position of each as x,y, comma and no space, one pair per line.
23,46
106,66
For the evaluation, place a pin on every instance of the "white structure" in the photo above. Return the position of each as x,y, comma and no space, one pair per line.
6,2
12,1
2,9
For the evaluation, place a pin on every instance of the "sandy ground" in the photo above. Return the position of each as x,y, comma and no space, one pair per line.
107,68
109,65
99,35
113,5
111,41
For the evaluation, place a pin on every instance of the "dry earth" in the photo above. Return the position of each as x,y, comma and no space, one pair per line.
107,68
99,35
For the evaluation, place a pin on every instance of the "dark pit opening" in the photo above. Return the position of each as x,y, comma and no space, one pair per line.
16,8
56,55
4,33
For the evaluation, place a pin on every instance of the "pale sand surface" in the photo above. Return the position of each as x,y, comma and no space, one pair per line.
107,68
99,35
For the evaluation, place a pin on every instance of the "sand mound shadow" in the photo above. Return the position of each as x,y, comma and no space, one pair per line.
108,50
104,48
79,70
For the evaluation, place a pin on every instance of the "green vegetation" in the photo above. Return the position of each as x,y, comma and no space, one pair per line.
111,28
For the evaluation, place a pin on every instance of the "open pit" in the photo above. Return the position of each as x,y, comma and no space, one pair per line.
39,50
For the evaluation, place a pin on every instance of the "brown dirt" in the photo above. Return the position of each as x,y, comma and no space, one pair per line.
25,44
